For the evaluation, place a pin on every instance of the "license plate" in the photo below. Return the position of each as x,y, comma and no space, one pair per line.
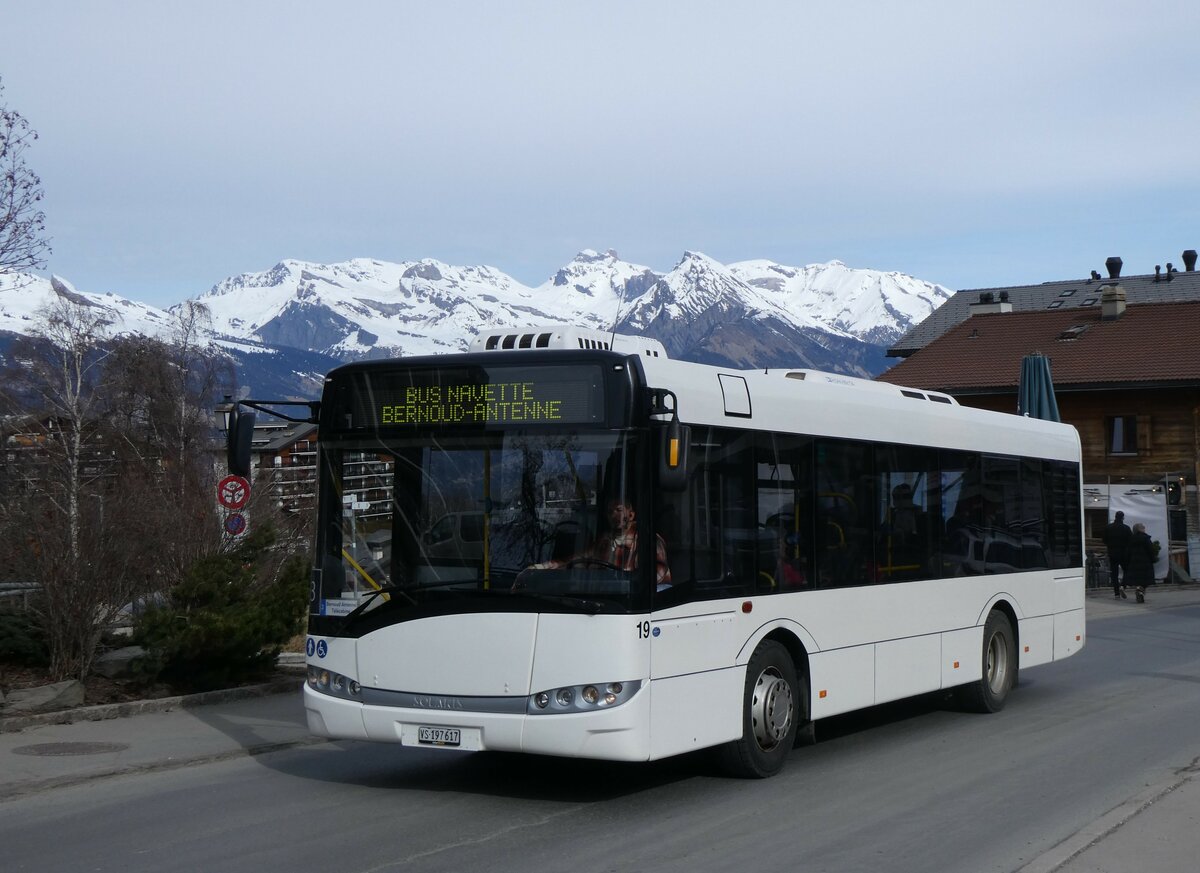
439,736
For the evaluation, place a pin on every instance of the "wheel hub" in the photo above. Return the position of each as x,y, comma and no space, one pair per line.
997,663
771,709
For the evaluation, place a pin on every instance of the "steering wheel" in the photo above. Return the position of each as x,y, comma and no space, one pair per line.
592,562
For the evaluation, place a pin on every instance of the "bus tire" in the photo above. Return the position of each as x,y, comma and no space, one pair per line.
770,709
991,692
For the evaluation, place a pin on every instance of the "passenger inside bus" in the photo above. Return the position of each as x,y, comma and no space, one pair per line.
789,567
901,548
617,547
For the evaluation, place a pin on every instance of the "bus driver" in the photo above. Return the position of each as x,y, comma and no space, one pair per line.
618,547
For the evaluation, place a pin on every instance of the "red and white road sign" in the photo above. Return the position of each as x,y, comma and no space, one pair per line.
233,492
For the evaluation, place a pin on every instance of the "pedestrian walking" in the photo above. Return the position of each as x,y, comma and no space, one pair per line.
1141,562
1116,538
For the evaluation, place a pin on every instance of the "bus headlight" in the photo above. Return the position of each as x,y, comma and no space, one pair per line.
333,684
582,698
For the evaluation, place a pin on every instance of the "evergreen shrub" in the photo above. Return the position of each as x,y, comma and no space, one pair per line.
227,621
23,640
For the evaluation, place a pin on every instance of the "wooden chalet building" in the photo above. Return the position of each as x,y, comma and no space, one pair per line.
285,460
1126,373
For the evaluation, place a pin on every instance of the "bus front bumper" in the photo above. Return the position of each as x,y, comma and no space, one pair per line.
618,734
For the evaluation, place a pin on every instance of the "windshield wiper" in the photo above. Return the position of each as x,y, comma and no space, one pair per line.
591,607
370,598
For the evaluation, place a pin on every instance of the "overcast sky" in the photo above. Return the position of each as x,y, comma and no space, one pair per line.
971,144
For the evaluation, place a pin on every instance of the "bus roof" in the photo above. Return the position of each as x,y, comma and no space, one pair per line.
828,404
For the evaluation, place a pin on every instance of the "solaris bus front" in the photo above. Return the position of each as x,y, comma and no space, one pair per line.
459,599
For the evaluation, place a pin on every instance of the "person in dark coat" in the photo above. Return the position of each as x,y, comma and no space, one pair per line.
1116,539
1140,571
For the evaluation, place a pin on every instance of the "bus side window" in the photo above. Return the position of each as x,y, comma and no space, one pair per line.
706,531
962,514
904,546
845,497
784,501
710,528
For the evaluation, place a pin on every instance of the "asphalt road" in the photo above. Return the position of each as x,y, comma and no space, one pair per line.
910,787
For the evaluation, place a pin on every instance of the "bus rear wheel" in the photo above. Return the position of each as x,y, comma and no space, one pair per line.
770,709
990,693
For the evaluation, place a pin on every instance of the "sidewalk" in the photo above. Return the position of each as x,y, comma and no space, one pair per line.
151,735
1155,831
1101,603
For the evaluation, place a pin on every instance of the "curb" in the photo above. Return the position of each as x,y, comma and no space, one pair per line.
16,723
36,786
1059,856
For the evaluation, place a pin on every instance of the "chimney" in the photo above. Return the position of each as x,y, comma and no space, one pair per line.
987,303
1189,260
1112,301
1114,267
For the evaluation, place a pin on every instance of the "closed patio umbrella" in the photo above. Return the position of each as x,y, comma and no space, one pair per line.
1035,395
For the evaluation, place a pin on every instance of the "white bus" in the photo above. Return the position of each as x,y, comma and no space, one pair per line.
807,544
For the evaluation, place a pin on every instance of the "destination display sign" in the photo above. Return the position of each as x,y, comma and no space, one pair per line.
481,396
501,402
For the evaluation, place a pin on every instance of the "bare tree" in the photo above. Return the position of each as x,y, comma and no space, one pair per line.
160,398
201,376
112,495
22,223
61,498
74,329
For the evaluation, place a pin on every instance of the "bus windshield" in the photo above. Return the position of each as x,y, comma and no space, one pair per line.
419,524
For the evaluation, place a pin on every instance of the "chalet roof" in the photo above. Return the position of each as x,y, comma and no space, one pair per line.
272,435
1048,297
1152,344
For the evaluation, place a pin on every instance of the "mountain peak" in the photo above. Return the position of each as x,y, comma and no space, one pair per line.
591,256
65,289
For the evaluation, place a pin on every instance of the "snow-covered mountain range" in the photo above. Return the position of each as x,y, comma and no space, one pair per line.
747,314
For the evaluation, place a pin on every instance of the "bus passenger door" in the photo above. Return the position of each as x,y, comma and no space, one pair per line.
711,535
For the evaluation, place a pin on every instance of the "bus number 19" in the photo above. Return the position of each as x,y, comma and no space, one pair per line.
643,630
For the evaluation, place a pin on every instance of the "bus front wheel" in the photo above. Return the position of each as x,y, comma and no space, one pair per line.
770,707
990,693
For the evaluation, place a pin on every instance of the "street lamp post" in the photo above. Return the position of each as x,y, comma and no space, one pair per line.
221,413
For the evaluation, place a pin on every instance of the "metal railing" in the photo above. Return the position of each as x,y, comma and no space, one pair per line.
1096,570
18,596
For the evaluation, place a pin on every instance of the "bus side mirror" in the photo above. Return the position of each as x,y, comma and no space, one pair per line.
672,456
238,438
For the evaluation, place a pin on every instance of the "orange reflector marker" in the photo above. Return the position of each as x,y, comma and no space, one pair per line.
1027,648
956,665
1078,637
673,453
821,694
747,606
